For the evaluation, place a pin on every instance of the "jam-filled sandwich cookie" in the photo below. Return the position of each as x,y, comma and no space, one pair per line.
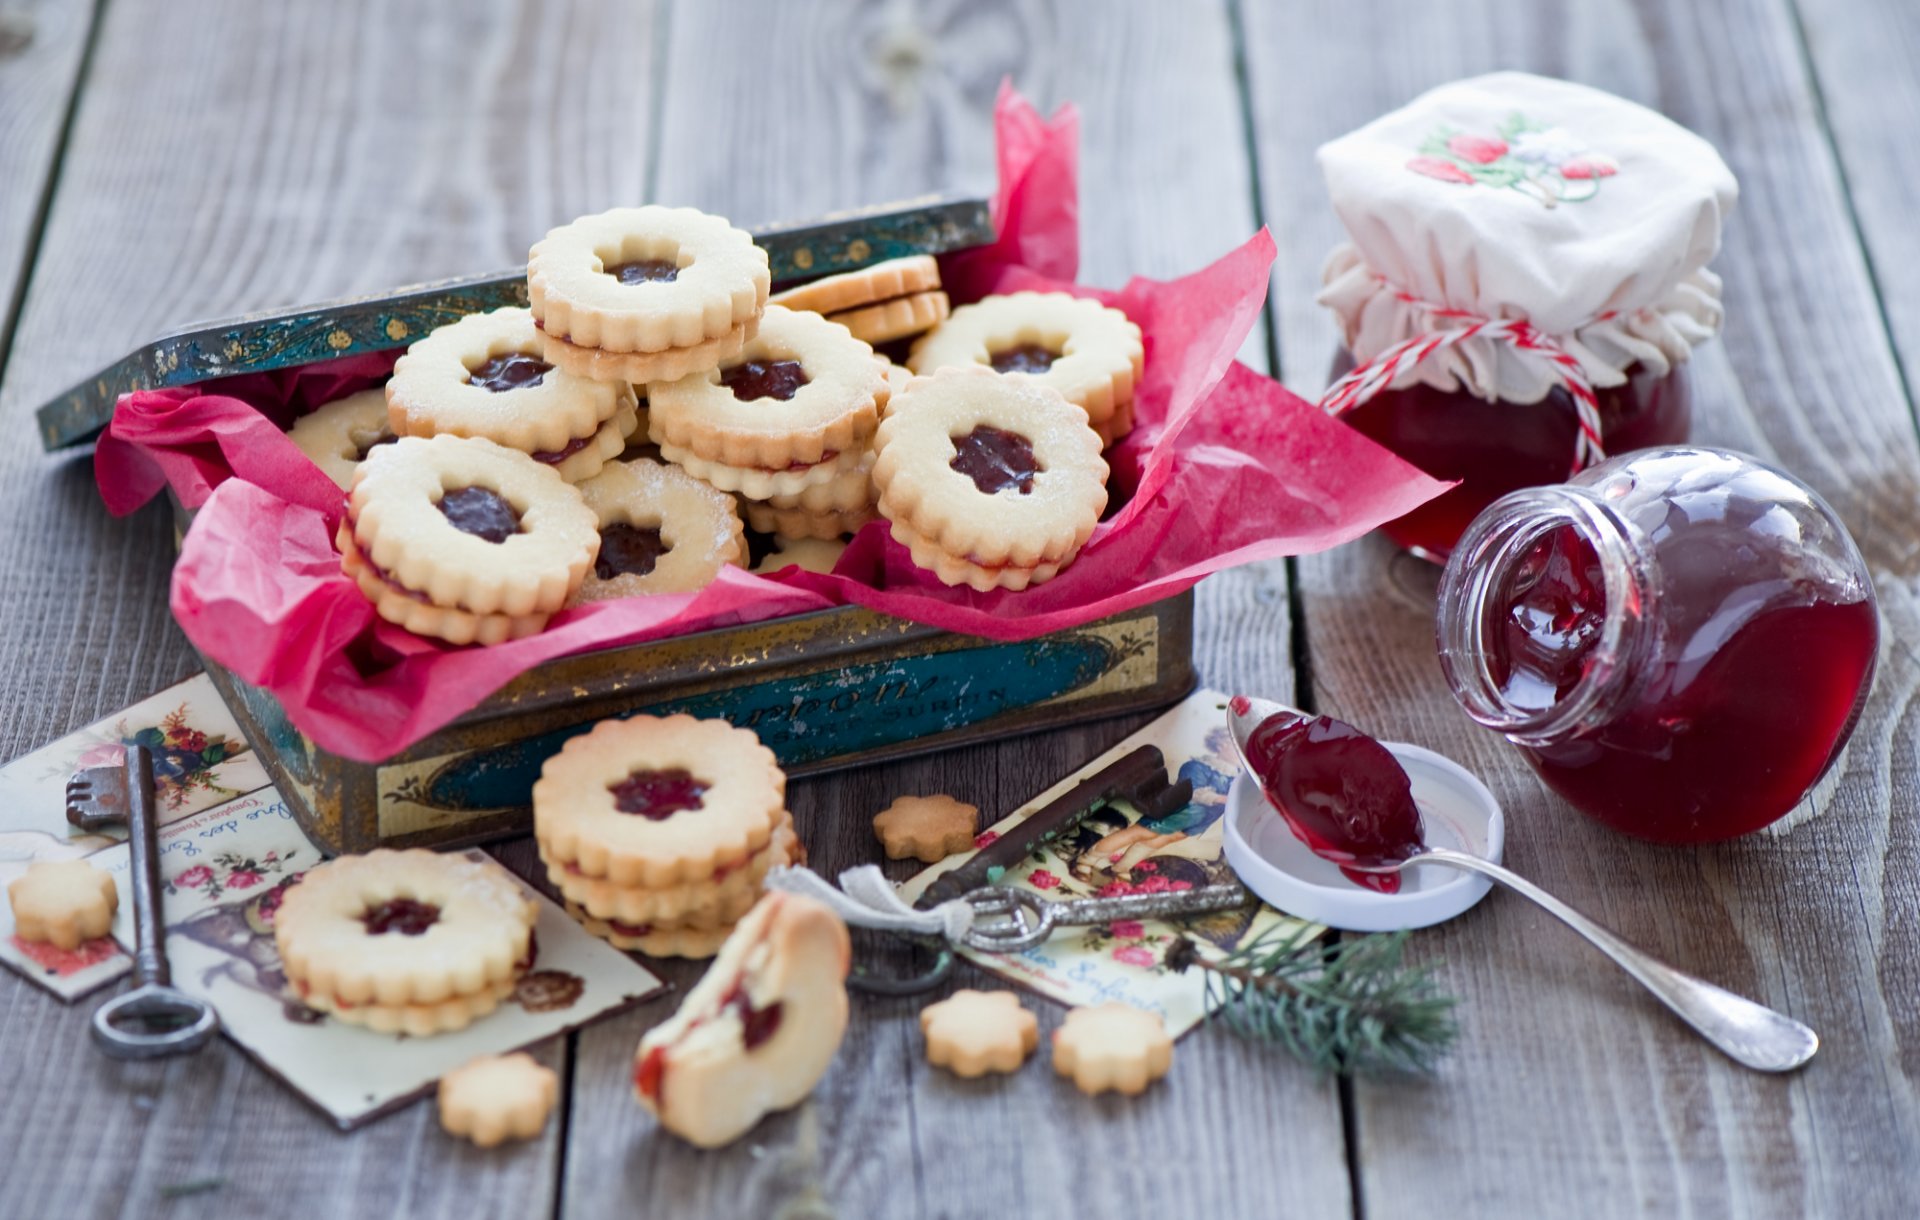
827,510
653,801
338,435
62,903
634,911
405,941
989,481
484,376
1088,352
971,1033
796,409
661,531
808,554
496,1098
758,1031
646,294
879,304
464,539
925,828
1112,1047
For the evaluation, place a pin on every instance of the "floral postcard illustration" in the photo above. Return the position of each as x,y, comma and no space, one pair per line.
200,761
1114,851
224,872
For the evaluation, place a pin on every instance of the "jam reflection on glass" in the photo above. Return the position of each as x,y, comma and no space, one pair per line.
646,271
628,550
406,916
754,379
1026,358
658,795
1680,641
1496,447
1341,792
513,371
480,511
995,460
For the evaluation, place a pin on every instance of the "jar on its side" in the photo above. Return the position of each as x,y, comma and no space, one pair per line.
1679,640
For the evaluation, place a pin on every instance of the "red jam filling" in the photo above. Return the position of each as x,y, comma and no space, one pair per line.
995,460
650,1073
756,1024
1027,358
646,271
514,371
387,579
657,795
482,512
1341,792
1493,448
756,379
553,457
1742,711
403,915
628,550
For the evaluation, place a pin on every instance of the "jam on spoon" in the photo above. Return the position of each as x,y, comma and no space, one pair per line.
1341,792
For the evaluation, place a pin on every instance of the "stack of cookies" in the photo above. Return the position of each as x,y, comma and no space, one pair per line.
409,942
659,831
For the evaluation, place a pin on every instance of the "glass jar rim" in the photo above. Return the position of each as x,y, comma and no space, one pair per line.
1494,545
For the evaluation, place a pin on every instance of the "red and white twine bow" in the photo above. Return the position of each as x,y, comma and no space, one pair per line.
1375,375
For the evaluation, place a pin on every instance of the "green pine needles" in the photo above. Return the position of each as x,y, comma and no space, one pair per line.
1349,1006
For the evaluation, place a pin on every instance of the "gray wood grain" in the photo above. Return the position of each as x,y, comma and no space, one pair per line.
1571,1093
881,101
281,153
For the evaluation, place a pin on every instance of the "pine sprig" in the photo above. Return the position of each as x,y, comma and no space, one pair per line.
1351,1006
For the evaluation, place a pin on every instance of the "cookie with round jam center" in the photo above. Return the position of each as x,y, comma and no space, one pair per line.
1027,358
628,550
513,371
407,916
646,271
753,379
996,460
482,512
658,795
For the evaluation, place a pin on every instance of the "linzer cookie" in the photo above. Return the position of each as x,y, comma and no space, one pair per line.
721,898
483,376
457,537
657,801
803,394
1091,354
757,1032
989,481
878,304
338,435
646,294
409,941
827,510
763,484
661,531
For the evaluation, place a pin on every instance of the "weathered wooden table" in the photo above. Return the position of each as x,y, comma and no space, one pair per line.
167,160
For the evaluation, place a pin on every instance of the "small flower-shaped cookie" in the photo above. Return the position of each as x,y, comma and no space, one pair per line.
498,1097
62,902
1112,1046
925,828
972,1033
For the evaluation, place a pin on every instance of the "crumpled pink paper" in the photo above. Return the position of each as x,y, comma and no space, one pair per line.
1224,467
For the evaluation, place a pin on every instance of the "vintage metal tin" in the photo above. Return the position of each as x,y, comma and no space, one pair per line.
827,690
832,689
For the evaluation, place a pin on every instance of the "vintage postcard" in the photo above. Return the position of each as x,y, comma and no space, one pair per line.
1113,851
224,872
200,761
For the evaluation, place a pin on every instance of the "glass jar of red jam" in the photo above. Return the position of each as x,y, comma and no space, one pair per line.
1680,640
1496,446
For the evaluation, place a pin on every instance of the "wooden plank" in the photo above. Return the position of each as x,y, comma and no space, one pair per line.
42,47
869,102
1569,1084
281,154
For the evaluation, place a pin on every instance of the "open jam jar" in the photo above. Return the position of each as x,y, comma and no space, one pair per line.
1680,640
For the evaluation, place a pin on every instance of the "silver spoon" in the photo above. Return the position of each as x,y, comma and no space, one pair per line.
1749,1033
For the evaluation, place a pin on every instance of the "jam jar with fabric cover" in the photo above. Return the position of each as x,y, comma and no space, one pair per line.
1679,640
1524,278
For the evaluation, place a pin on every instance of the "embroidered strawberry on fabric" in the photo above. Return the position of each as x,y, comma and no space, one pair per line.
1548,164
